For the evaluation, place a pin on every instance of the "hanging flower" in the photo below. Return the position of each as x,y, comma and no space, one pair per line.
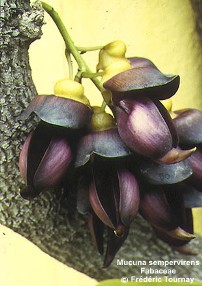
143,123
113,190
48,151
44,160
68,107
188,123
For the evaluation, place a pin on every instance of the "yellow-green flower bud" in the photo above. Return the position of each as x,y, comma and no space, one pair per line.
115,68
110,53
70,89
101,120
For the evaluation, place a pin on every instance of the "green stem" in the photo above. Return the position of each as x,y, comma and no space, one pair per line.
68,57
70,44
89,49
103,106
91,75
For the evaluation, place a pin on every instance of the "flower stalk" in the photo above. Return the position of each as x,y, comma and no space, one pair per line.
70,44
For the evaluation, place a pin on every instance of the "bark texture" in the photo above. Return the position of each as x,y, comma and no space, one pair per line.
51,221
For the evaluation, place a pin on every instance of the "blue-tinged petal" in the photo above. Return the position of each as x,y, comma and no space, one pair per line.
188,123
105,143
143,79
160,174
59,111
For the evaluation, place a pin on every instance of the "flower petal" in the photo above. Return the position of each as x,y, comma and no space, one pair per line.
104,143
114,243
23,158
158,174
176,155
129,196
196,163
144,79
59,111
54,164
155,209
38,145
189,126
96,228
104,192
142,127
192,197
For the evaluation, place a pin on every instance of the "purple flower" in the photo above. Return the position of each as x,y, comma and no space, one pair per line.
143,123
112,188
44,160
188,123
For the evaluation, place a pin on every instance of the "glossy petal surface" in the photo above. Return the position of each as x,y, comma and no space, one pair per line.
165,174
142,127
104,143
189,126
129,196
144,79
59,111
54,164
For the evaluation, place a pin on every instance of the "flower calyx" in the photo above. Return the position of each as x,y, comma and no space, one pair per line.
70,89
69,107
101,120
110,53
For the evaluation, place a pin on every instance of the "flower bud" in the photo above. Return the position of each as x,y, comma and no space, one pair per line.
115,68
70,89
101,120
110,53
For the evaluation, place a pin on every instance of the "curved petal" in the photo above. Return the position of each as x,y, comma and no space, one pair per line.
142,127
129,196
155,209
23,158
176,155
54,164
192,197
176,242
98,207
189,126
59,111
104,143
196,163
39,143
158,174
144,79
114,243
104,191
96,228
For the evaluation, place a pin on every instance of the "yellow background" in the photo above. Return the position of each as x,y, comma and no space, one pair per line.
161,30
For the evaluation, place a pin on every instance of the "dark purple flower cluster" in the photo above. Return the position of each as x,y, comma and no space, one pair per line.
139,161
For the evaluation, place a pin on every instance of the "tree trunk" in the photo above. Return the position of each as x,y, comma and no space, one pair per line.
51,221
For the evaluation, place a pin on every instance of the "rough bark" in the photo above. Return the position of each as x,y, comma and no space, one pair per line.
51,221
